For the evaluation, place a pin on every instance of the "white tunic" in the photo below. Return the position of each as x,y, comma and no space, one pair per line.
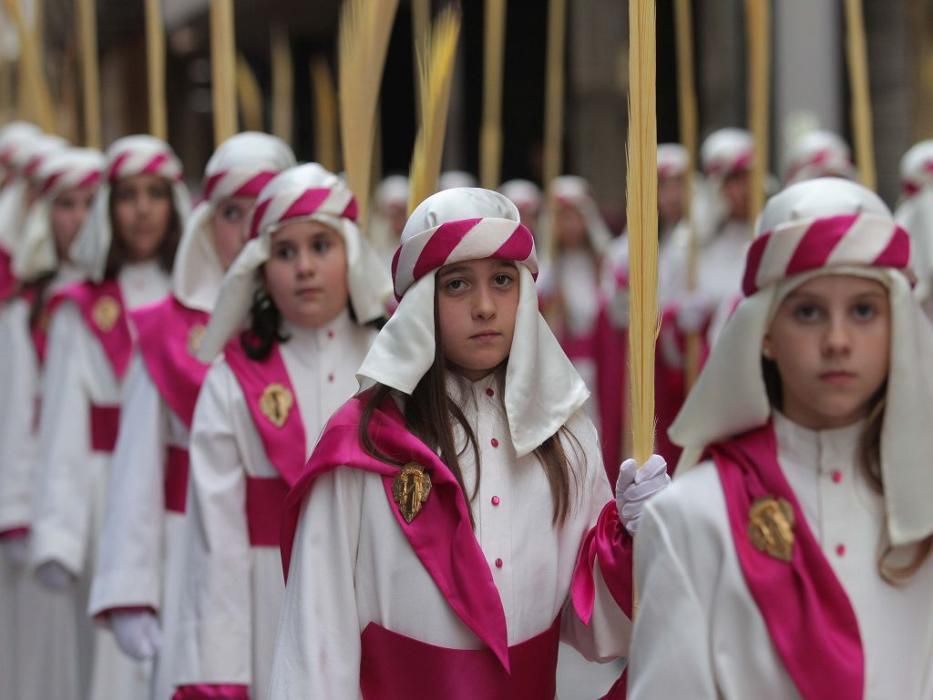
699,632
71,488
348,530
38,640
232,591
140,556
722,262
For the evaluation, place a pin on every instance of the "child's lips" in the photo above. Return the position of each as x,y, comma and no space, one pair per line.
837,376
485,335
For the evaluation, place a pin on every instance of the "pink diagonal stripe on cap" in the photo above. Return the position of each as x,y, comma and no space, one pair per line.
445,238
258,213
897,253
50,183
308,203
351,211
753,263
153,166
116,165
92,178
818,243
210,183
517,247
253,186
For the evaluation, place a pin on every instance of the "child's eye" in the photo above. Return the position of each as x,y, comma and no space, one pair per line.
284,252
503,279
455,285
864,311
232,213
808,313
321,245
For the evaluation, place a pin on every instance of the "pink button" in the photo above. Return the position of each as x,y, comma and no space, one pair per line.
495,500
841,550
494,442
330,377
490,392
330,334
498,563
837,476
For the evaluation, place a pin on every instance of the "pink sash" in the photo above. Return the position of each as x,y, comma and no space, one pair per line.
285,445
176,479
101,306
168,333
808,614
7,280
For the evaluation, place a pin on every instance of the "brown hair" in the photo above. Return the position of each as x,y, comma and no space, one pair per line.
118,255
869,457
430,414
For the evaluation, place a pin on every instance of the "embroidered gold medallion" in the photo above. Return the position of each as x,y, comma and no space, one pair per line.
410,489
771,527
276,403
194,338
105,313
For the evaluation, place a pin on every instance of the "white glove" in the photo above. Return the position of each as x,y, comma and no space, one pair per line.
618,308
692,312
137,633
55,576
16,550
635,487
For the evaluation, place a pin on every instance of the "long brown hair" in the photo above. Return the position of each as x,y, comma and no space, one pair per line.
869,458
119,254
430,414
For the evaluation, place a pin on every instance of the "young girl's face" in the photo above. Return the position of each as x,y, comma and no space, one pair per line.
476,305
67,214
142,213
571,228
735,190
306,275
230,227
830,340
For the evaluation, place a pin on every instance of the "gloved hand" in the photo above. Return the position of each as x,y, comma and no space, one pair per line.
693,311
635,487
137,633
617,307
16,550
55,576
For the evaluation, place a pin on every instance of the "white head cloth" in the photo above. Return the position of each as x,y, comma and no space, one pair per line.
723,153
13,137
574,191
240,167
304,193
126,157
819,154
915,212
451,179
542,389
35,252
673,160
393,190
823,227
524,193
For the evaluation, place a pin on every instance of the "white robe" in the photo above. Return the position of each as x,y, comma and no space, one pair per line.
71,489
699,632
38,634
232,591
140,555
348,530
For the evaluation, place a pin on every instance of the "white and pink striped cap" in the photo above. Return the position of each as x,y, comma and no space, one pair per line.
306,192
673,160
727,151
917,168
240,167
524,193
63,170
826,226
574,191
127,157
13,138
819,154
542,389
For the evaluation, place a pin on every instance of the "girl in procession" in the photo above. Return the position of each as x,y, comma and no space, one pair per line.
137,580
459,505
795,560
125,248
307,288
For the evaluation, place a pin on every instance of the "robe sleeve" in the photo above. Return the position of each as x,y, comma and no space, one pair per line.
65,485
19,379
317,649
215,635
130,556
671,655
596,618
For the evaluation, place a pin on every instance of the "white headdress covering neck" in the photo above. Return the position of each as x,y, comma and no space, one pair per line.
126,157
724,152
915,212
240,167
819,154
304,193
35,253
542,389
24,153
574,191
823,227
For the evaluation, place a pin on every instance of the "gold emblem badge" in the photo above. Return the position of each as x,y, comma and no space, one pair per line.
194,338
411,489
771,527
105,313
275,403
